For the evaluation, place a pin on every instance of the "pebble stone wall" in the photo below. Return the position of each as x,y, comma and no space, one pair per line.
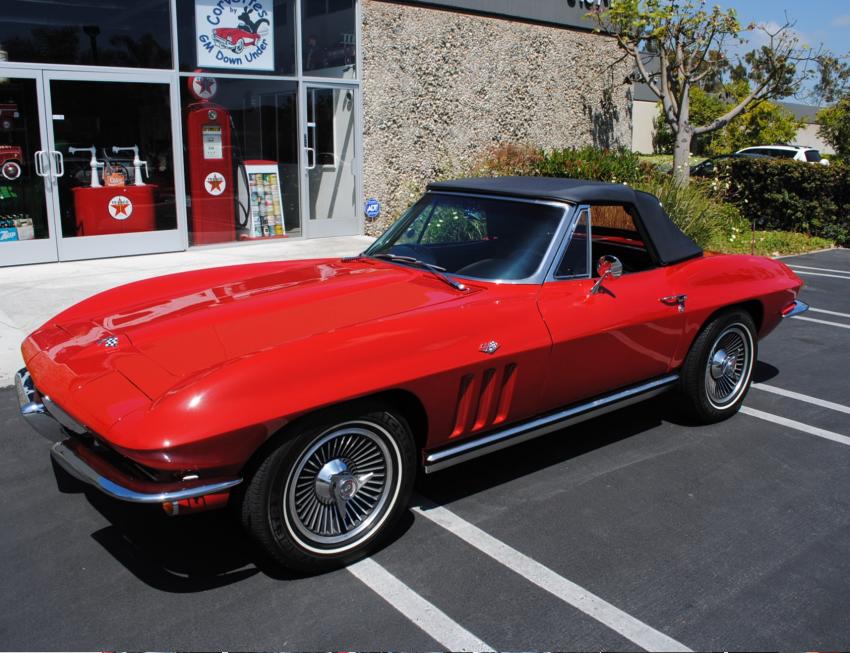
441,87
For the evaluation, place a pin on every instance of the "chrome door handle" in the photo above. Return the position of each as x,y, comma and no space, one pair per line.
675,300
60,163
39,163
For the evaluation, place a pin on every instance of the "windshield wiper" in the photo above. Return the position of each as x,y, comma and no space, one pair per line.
438,271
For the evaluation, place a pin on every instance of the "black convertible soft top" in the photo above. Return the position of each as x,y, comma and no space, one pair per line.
670,245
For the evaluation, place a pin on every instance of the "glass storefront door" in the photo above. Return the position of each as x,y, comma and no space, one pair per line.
26,215
330,160
113,147
87,168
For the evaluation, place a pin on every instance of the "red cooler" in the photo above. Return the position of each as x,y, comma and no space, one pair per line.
114,209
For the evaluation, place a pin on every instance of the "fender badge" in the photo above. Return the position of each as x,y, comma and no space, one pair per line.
110,343
490,347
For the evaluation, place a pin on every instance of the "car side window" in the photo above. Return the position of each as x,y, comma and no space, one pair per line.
615,232
575,263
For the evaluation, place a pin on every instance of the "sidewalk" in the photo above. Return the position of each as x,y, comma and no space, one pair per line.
31,294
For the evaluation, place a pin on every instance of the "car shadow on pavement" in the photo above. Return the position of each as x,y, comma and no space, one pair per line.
552,449
188,554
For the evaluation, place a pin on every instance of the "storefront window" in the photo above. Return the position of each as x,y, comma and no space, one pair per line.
114,139
87,32
328,38
237,36
23,213
241,154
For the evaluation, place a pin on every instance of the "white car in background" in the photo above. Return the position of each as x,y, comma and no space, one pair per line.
794,152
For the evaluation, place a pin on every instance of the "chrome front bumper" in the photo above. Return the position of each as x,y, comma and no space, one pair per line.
798,309
41,413
56,425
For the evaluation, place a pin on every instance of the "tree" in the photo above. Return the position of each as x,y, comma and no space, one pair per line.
765,122
834,124
690,43
834,78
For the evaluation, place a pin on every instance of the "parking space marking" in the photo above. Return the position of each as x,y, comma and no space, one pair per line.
808,267
799,426
820,310
821,274
811,319
567,591
426,615
841,408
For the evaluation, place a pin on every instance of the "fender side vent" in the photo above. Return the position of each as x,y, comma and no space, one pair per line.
484,399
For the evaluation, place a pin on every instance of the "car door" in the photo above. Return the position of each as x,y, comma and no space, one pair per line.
625,333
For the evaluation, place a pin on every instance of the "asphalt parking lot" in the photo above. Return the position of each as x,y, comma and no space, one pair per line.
630,531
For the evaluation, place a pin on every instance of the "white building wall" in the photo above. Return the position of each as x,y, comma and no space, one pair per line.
643,126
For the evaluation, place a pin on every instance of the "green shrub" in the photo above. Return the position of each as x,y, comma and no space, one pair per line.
617,166
791,196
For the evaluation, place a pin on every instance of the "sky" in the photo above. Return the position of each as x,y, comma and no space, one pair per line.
818,21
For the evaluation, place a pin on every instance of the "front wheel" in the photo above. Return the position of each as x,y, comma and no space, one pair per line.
327,495
718,370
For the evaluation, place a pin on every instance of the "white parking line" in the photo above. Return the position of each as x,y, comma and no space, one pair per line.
820,310
811,319
821,274
799,426
578,597
808,267
841,408
424,614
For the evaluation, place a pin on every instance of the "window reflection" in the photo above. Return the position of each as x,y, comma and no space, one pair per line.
328,38
87,32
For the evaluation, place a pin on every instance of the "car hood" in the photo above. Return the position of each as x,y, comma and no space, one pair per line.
157,333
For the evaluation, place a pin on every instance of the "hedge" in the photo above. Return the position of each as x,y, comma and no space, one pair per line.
790,196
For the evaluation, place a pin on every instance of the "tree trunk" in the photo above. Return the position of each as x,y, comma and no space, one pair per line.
684,136
682,156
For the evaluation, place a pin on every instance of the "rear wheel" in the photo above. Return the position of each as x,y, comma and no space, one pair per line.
329,494
718,370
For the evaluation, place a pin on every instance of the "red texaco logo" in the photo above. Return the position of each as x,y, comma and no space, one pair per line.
120,207
215,183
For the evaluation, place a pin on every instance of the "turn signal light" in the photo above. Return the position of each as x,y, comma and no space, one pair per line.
196,504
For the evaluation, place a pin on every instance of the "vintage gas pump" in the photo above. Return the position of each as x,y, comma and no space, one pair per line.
210,156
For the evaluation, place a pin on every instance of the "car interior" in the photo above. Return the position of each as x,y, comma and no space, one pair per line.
614,232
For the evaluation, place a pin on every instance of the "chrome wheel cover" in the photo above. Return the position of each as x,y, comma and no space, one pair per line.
730,362
342,487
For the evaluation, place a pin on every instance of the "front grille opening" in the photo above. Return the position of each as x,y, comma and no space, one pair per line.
129,467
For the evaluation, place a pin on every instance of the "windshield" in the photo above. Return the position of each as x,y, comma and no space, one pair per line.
476,237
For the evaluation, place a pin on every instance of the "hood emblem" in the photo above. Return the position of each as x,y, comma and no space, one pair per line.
490,347
110,342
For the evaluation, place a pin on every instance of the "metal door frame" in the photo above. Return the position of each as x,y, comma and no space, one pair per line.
42,250
107,246
338,227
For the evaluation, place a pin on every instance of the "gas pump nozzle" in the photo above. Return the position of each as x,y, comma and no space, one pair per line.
94,164
137,163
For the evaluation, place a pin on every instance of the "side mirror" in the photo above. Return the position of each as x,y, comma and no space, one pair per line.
607,267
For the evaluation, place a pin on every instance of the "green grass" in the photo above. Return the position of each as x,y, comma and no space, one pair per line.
767,243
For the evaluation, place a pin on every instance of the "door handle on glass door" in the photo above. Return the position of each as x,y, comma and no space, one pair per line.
60,163
39,163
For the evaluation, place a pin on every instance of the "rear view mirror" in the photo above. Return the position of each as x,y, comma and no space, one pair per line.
607,267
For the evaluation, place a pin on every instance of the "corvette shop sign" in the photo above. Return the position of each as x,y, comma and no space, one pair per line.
235,34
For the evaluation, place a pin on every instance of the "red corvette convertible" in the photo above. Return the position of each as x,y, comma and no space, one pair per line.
309,394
